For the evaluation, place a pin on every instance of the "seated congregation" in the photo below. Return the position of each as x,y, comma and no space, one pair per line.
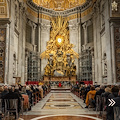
103,99
14,100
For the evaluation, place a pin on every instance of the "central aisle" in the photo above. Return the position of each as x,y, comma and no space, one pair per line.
60,105
60,102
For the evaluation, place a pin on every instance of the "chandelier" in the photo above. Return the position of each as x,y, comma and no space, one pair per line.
114,6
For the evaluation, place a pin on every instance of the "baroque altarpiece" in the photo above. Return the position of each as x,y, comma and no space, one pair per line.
59,51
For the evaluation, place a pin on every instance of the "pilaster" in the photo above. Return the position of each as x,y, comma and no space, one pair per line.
85,33
4,43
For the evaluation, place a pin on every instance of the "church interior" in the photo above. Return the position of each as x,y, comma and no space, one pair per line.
59,59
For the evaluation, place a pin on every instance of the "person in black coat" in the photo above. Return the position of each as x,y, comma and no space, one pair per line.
13,95
102,90
99,93
106,94
4,92
1,90
117,101
109,109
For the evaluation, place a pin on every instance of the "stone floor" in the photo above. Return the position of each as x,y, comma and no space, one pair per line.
59,105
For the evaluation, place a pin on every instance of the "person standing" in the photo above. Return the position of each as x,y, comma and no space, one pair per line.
109,109
90,96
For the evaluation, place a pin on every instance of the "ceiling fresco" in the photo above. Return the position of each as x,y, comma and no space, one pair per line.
59,5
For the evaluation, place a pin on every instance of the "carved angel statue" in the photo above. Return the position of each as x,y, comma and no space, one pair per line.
73,69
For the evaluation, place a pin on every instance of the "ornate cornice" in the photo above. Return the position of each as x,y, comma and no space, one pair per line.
4,21
83,9
59,5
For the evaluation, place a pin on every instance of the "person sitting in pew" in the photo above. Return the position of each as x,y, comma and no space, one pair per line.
13,95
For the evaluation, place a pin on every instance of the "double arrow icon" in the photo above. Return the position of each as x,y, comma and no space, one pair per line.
112,102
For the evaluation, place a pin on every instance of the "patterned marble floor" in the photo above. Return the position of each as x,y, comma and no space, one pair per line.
61,101
62,105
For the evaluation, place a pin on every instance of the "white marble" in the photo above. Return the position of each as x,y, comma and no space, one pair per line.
38,108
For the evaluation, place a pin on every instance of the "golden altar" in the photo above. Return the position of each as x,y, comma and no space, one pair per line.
60,53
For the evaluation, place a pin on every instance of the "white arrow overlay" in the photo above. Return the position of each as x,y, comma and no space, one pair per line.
112,102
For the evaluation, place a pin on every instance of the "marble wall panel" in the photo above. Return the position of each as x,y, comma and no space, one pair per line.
2,53
117,51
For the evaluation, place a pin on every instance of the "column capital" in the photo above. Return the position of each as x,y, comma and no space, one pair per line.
74,27
31,23
45,27
4,21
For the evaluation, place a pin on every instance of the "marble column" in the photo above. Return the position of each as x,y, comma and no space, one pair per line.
33,35
39,37
26,65
108,43
45,37
93,66
6,75
113,53
22,41
39,50
79,47
75,40
97,45
5,24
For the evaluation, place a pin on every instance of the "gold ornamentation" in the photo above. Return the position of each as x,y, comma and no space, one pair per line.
3,9
73,69
59,5
59,40
51,6
59,48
